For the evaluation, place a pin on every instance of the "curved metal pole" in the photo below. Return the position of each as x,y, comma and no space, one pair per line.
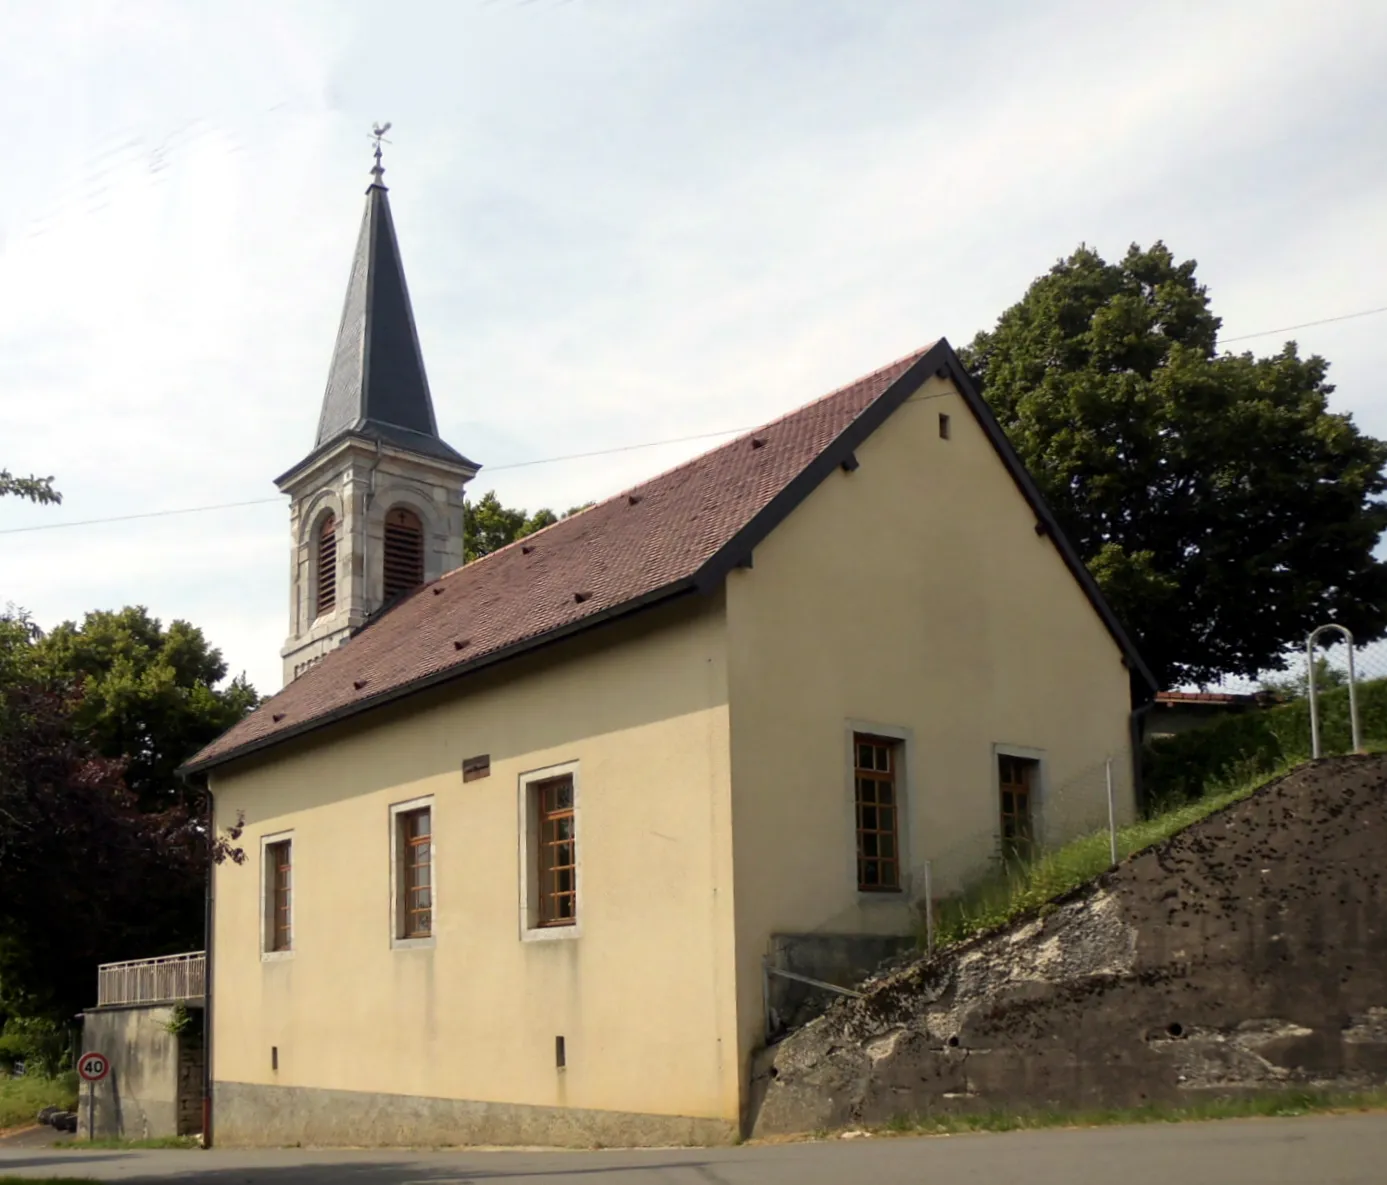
1314,697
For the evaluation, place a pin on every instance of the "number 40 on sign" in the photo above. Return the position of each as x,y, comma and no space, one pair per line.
93,1067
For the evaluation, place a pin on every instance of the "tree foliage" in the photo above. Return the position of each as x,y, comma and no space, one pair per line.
36,489
488,526
89,873
1221,506
149,694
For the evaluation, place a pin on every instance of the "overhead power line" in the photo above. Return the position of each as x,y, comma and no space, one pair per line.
1242,337
605,452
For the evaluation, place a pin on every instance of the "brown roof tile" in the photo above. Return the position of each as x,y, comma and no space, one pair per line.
678,532
631,547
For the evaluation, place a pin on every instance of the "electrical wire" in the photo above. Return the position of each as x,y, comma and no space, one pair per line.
606,452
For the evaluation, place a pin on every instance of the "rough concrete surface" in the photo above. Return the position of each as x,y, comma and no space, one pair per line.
251,1116
1344,1150
139,1099
1246,954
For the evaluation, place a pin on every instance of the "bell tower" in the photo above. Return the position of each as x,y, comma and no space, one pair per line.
376,508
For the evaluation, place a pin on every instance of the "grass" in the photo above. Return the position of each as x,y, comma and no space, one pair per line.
1288,1103
48,1181
22,1098
1017,889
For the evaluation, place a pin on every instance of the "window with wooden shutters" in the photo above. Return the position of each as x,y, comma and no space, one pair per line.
558,853
279,896
414,873
326,575
1016,781
878,804
404,552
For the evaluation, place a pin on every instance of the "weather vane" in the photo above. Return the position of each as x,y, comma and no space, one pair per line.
378,135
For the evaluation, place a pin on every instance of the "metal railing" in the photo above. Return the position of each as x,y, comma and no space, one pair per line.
152,981
1312,692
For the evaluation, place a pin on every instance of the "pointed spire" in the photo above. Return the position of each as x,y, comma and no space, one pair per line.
376,384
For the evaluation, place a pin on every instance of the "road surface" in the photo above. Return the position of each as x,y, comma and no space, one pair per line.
1318,1150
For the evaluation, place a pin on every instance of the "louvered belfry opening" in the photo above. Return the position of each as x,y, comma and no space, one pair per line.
327,567
404,552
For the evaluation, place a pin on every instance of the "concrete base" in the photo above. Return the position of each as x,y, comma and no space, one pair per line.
247,1115
154,1088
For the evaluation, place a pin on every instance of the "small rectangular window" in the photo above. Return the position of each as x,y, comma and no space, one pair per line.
279,896
876,762
943,426
556,857
414,873
1016,781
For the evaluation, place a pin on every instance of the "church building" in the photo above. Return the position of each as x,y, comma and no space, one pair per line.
535,844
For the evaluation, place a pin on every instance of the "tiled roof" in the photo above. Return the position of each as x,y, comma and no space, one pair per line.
621,551
677,533
1210,697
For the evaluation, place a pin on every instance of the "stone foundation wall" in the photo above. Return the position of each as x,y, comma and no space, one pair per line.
248,1115
1247,954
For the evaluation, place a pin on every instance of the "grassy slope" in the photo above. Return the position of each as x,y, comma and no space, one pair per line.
1012,892
22,1098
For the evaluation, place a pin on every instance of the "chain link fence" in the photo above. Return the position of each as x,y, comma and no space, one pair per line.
1038,831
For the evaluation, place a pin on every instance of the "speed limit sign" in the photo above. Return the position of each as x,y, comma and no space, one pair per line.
93,1067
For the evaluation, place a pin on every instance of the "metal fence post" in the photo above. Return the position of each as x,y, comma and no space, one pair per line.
1312,693
1353,699
1112,812
929,911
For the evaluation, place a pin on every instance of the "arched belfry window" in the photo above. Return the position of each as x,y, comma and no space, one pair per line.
326,561
404,552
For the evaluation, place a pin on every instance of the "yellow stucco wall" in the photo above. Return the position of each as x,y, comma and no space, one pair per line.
910,594
644,997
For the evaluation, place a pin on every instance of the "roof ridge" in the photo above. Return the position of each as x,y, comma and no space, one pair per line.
705,517
911,357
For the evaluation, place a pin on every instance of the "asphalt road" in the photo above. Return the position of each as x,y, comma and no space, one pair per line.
1320,1150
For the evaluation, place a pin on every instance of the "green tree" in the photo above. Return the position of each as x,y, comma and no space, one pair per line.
36,489
149,696
1221,506
86,875
488,526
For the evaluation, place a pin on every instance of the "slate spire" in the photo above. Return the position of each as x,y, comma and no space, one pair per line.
376,386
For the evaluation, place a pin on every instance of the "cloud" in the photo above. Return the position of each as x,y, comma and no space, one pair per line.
620,223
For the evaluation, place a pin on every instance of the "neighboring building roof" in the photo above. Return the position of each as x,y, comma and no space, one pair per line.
1224,699
376,387
678,533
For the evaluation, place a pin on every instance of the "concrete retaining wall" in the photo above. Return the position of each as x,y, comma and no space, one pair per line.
248,1115
1247,954
154,1088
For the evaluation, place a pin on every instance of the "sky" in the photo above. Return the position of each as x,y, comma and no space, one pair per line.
621,222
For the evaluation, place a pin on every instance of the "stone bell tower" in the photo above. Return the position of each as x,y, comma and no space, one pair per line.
376,508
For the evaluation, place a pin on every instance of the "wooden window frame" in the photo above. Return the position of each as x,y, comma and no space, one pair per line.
1035,758
391,561
277,896
322,564
402,937
907,800
868,813
537,923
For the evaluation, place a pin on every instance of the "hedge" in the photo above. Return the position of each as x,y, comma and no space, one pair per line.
1239,747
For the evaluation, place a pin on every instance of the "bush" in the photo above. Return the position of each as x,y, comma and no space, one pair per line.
40,1046
21,1099
1185,767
